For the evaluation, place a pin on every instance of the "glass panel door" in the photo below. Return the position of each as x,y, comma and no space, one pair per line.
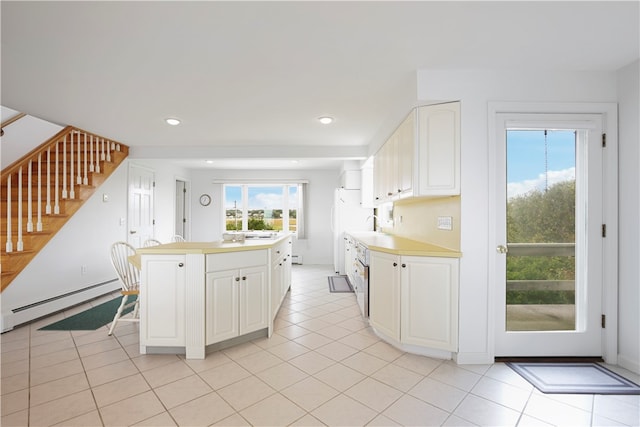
541,224
548,233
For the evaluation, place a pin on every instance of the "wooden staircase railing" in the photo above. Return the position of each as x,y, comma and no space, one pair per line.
42,190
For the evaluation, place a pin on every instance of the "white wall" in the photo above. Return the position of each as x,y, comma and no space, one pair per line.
23,135
83,241
317,248
475,89
629,214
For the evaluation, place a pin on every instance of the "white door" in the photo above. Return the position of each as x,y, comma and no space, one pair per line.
141,216
549,234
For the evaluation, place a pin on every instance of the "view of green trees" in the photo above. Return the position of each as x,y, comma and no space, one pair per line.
258,221
542,217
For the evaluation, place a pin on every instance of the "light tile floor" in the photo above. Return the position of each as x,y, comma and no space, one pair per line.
322,366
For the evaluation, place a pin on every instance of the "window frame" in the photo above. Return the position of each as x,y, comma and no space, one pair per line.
243,210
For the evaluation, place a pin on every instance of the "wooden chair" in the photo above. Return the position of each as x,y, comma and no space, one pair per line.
177,238
130,277
151,242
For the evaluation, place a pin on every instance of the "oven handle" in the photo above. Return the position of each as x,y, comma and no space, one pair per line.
365,269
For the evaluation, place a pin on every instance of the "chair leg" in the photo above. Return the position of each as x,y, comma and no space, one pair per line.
118,314
136,307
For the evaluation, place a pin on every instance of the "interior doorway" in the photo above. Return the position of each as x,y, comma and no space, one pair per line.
181,203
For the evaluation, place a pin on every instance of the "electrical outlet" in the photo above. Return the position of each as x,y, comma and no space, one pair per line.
445,223
83,270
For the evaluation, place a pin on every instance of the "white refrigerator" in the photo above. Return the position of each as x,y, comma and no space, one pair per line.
348,215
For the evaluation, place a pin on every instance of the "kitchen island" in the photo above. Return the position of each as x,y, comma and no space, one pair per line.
413,293
197,294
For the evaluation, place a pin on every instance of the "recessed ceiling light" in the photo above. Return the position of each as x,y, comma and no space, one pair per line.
209,161
325,120
294,161
172,121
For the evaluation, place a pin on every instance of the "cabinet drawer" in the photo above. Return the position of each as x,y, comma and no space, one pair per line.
230,260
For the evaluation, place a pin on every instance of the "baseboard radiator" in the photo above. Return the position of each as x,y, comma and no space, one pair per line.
30,312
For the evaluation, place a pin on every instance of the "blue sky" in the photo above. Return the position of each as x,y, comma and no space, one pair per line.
525,159
260,197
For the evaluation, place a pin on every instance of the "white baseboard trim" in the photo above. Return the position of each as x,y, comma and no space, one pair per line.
465,358
628,364
18,316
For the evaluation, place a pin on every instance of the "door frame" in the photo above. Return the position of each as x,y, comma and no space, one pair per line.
186,207
609,112
130,177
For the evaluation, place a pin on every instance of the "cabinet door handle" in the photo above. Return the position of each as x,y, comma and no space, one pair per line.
395,264
237,279
181,264
277,252
244,277
404,265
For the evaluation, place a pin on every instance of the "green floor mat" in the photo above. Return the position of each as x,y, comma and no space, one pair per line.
91,319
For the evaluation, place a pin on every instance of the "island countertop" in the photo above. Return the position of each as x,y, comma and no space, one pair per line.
213,247
396,245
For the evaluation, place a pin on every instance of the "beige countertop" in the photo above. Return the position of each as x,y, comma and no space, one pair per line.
391,244
212,247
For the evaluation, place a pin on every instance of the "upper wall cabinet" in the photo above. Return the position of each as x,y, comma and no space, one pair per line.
422,157
439,150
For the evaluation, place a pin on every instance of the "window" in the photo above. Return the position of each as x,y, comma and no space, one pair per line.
275,207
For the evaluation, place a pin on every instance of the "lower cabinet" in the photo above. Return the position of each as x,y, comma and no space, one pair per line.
384,293
236,302
280,274
162,303
429,302
414,300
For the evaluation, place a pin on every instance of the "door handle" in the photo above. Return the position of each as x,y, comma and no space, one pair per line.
132,232
502,249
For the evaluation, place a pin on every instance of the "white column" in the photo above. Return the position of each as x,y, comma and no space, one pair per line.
47,209
39,218
29,197
20,244
9,247
64,168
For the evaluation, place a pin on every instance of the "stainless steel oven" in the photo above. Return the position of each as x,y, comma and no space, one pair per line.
362,278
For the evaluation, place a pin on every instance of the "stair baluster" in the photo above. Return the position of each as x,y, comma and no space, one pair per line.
71,181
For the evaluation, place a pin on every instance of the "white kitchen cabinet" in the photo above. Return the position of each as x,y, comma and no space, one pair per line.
404,155
413,300
384,293
280,274
351,180
236,302
349,257
422,157
438,150
222,307
194,294
162,304
429,302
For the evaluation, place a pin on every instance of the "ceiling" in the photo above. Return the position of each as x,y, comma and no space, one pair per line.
249,80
